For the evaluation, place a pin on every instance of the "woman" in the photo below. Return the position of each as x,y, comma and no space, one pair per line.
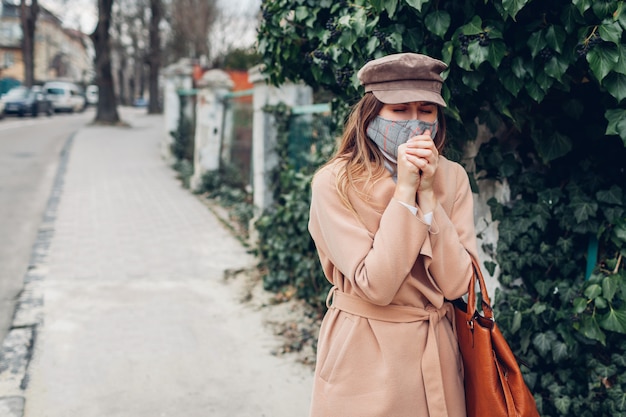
393,224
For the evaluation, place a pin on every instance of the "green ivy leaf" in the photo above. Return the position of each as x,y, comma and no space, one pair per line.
616,85
569,17
554,146
583,210
620,67
611,32
601,303
611,196
474,27
347,39
556,67
563,404
477,54
582,5
377,5
535,91
619,16
512,84
617,123
507,232
512,7
462,60
496,52
543,342
539,308
559,351
610,285
620,233
536,42
565,244
615,321
359,21
416,4
390,6
544,81
593,291
555,37
371,45
602,59
395,39
580,304
589,328
602,9
518,66
438,22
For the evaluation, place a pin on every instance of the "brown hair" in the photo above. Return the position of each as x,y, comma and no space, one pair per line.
362,161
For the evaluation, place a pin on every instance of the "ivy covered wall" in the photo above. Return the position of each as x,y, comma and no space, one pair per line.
548,80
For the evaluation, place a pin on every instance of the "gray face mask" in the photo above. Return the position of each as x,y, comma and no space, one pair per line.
389,134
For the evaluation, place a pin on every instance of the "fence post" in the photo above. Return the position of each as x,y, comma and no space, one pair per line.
264,156
213,87
175,77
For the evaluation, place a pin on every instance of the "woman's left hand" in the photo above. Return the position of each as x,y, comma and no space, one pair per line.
427,158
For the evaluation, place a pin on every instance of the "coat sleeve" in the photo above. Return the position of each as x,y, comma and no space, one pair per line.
375,264
452,241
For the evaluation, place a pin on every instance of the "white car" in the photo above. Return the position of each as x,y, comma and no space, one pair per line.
65,96
91,93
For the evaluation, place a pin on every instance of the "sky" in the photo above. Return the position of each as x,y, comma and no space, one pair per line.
76,14
83,14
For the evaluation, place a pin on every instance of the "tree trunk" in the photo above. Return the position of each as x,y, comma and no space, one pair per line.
154,57
28,17
107,106
123,96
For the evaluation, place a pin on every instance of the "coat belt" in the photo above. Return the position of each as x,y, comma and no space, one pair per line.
431,364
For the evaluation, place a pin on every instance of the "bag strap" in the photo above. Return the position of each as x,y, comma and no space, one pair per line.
471,298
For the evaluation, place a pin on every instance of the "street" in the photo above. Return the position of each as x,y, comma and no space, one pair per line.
29,154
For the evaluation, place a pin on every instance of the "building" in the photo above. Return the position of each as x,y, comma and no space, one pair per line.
60,53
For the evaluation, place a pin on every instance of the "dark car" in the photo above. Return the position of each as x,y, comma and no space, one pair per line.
24,100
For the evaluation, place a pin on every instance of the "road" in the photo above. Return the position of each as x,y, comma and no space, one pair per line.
29,155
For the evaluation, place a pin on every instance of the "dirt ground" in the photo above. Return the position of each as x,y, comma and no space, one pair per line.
294,323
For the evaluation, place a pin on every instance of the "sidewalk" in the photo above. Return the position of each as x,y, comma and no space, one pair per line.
137,318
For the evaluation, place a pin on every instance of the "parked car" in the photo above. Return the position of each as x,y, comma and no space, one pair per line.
1,109
65,96
91,93
140,102
23,100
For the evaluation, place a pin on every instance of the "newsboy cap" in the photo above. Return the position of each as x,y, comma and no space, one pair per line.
403,78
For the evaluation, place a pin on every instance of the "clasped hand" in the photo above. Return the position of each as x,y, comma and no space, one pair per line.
417,162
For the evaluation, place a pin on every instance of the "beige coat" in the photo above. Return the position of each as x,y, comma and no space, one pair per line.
386,345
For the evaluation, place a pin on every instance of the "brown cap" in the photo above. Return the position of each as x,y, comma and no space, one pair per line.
403,78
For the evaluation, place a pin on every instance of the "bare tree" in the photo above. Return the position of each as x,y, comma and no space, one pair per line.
233,32
191,21
154,56
107,107
28,17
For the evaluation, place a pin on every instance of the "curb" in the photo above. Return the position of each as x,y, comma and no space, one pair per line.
18,346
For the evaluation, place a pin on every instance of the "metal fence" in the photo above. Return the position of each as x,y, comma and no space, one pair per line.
310,135
239,112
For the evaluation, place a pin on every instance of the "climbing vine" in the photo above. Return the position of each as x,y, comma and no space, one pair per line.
286,250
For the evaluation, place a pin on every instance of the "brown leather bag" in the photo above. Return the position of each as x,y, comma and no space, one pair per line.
494,385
